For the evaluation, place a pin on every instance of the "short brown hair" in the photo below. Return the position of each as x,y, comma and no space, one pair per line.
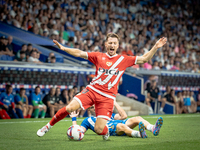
113,35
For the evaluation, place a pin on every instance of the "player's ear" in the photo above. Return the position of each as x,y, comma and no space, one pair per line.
106,44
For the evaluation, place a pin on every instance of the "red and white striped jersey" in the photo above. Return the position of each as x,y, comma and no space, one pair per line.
109,70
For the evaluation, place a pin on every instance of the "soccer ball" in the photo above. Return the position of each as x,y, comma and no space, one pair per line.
75,132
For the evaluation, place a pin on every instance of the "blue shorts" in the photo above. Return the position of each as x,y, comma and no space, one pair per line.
112,125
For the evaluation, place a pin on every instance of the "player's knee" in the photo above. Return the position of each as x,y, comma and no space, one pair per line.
98,129
138,118
69,109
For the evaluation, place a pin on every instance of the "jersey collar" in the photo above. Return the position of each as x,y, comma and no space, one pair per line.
111,56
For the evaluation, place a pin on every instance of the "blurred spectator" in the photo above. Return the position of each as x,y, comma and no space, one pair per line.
71,94
38,105
10,44
137,25
179,103
23,109
50,55
170,97
7,105
23,49
75,88
51,102
198,98
4,47
53,59
22,57
152,95
33,58
65,97
193,106
59,98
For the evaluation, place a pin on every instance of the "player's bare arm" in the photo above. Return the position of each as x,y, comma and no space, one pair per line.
146,57
72,51
74,114
121,113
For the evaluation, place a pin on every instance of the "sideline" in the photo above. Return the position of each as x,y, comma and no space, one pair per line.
164,116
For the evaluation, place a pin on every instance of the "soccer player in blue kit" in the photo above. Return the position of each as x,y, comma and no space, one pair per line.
7,105
122,127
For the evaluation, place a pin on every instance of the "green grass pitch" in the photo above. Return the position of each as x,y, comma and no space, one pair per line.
178,132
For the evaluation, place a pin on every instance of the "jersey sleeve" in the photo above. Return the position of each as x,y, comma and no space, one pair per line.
85,123
130,61
92,57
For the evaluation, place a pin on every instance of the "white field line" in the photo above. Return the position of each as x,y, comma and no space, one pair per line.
164,116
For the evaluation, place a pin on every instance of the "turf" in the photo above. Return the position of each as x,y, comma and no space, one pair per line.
178,132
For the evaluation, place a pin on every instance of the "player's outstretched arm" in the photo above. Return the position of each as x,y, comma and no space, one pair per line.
72,51
121,113
146,57
73,115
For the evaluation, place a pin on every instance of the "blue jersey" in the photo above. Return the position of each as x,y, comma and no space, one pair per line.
6,99
89,123
18,98
36,98
113,116
112,126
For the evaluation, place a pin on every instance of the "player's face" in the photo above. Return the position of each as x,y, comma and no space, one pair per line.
37,91
23,92
9,90
112,44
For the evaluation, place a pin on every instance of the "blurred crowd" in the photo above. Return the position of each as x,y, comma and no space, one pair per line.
185,101
36,104
27,53
84,24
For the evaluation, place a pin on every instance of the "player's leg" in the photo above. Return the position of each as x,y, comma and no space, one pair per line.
43,109
148,102
193,106
100,126
82,100
19,111
157,126
36,111
30,111
52,111
2,116
25,110
103,109
163,100
4,112
134,121
122,128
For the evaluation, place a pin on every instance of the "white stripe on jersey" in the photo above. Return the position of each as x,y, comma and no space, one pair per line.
136,60
113,68
101,116
91,121
79,101
104,94
106,80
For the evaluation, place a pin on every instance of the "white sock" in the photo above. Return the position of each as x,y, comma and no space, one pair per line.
161,109
135,134
49,126
150,127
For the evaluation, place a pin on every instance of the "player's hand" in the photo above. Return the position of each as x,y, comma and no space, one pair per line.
58,44
5,106
162,41
74,114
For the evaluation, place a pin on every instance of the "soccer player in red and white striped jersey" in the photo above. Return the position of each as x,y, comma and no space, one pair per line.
103,88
